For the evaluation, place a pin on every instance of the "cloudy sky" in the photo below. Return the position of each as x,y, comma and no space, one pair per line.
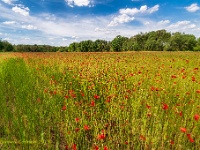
61,22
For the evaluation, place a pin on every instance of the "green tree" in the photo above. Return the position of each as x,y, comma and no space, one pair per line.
101,46
177,42
182,42
7,47
198,41
139,41
190,42
156,40
72,47
1,45
117,43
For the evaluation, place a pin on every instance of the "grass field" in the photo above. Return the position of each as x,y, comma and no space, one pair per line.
100,101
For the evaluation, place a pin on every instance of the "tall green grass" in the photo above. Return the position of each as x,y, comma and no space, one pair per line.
127,101
28,119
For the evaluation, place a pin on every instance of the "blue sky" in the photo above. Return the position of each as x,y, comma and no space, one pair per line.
61,22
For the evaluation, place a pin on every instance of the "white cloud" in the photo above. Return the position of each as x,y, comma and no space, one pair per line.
129,11
192,8
181,26
21,10
191,26
55,30
153,9
26,38
6,39
147,23
64,39
29,27
163,22
50,17
123,18
127,14
143,8
104,30
10,2
79,3
9,22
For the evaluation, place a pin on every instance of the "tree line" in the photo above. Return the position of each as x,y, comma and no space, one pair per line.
159,40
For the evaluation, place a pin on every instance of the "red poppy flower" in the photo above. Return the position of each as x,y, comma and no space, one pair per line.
193,78
148,106
126,142
86,127
172,142
173,76
74,146
73,95
77,129
198,91
152,88
149,114
105,148
190,138
196,117
183,129
96,96
108,101
77,119
66,96
142,138
96,147
180,113
64,107
165,106
183,77
101,136
92,103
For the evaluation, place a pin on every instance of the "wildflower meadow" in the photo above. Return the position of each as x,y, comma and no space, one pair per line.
100,101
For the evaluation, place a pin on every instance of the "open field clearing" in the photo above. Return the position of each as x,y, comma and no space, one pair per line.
100,101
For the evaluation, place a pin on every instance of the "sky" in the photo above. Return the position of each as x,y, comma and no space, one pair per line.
61,22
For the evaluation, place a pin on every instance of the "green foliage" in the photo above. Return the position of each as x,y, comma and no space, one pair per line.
118,43
182,42
198,41
5,46
36,48
159,40
1,46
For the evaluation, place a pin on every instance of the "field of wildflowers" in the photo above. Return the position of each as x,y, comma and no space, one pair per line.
100,101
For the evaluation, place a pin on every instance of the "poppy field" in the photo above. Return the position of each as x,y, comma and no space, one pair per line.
100,101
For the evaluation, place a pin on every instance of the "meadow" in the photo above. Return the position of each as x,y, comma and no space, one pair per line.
100,101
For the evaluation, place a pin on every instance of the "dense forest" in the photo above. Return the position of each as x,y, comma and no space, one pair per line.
159,40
